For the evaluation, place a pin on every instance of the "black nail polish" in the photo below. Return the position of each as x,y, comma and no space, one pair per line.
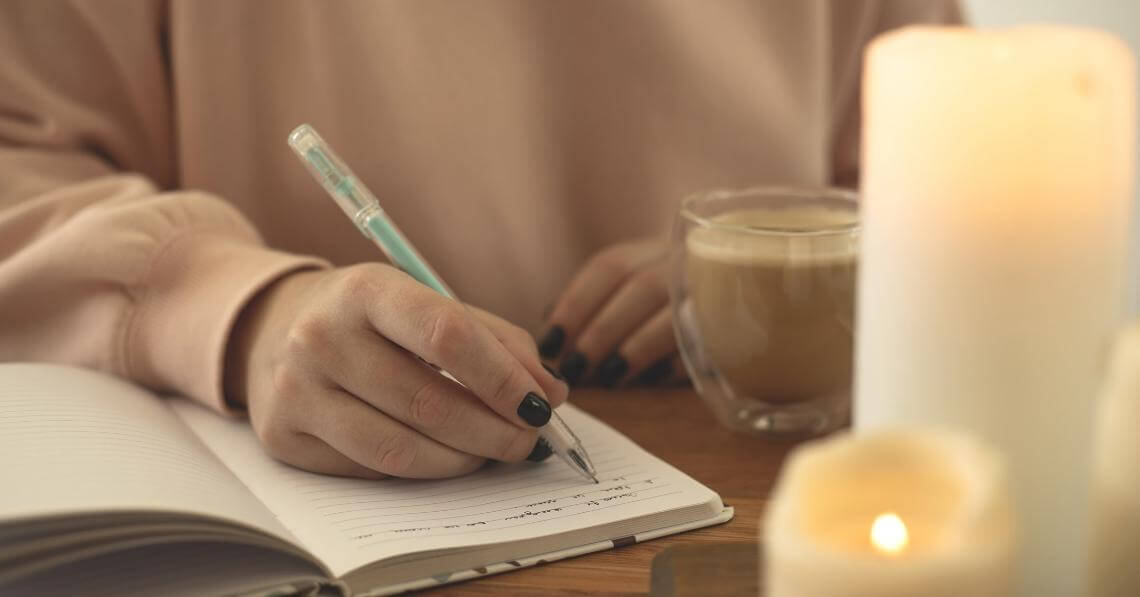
534,410
553,372
551,344
541,451
612,370
655,373
573,367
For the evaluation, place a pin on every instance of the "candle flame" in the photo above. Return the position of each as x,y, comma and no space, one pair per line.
889,534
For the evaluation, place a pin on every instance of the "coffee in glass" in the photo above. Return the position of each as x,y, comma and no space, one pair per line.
763,285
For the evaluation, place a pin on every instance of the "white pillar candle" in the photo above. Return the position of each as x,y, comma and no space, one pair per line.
890,514
997,176
1115,571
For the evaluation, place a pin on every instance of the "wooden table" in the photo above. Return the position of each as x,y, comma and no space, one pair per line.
675,426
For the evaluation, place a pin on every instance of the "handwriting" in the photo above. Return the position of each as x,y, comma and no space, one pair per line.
412,530
528,513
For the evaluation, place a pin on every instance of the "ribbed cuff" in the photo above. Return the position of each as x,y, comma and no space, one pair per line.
191,297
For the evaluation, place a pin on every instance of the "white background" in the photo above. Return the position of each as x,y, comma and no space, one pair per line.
1121,17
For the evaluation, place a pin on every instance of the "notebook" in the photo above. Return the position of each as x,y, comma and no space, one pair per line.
110,489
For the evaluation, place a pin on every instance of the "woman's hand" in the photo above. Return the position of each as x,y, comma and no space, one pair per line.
612,322
326,364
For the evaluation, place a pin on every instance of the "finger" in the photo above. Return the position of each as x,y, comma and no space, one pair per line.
374,440
312,454
678,374
669,372
276,427
589,290
659,373
652,343
446,334
522,346
404,388
642,296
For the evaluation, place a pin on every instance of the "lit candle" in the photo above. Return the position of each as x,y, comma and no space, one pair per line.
888,534
997,172
889,514
1116,479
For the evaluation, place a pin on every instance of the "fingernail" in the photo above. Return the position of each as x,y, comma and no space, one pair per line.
612,370
573,367
553,372
534,410
541,451
655,373
551,344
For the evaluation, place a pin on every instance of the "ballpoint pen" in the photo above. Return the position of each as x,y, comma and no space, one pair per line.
364,210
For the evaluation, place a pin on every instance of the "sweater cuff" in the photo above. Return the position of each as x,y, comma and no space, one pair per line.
192,295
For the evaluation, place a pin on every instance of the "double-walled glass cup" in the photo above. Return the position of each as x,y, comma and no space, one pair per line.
762,289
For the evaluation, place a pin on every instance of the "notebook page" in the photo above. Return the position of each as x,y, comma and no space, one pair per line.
349,523
77,441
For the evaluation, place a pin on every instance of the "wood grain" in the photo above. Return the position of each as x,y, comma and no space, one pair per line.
707,570
675,426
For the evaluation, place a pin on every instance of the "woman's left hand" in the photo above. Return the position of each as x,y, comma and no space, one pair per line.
612,323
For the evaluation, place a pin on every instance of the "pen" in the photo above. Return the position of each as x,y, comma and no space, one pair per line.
364,210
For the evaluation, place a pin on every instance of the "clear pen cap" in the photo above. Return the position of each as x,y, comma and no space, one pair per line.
336,177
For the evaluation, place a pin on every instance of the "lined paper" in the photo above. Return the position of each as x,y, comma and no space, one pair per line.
349,522
76,441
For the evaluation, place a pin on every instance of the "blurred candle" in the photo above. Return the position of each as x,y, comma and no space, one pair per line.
997,180
890,514
1116,476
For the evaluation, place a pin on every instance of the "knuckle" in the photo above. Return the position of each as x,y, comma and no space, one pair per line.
286,382
394,454
360,280
449,333
432,406
516,445
307,335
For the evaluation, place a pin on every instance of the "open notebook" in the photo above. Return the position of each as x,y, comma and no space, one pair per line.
111,489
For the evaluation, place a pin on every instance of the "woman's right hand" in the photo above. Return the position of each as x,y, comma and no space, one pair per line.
325,361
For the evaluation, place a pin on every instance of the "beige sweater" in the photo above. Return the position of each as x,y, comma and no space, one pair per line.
146,190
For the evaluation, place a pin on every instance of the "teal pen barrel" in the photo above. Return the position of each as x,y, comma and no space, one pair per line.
403,255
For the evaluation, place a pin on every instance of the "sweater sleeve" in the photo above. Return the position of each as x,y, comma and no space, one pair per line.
853,25
104,262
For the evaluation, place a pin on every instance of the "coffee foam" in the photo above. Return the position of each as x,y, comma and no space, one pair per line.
776,236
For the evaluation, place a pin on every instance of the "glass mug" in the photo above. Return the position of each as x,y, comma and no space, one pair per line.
762,292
